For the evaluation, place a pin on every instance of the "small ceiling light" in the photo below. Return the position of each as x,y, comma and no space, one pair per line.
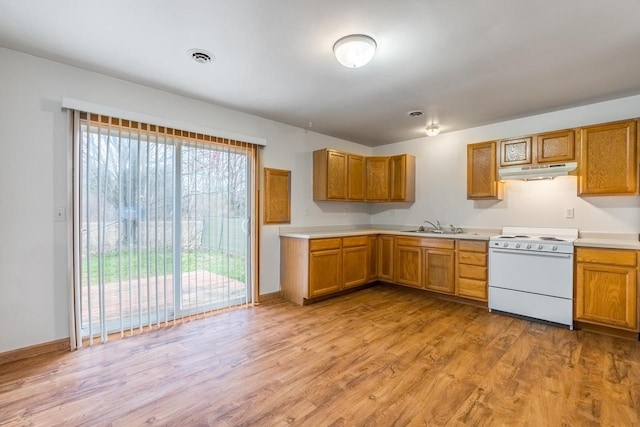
201,56
355,50
432,129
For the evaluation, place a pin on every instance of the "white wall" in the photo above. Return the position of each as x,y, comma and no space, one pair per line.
33,170
441,180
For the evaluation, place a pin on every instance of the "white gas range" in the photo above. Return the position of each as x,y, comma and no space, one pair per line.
531,273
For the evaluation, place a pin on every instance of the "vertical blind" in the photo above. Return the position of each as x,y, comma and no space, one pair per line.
162,225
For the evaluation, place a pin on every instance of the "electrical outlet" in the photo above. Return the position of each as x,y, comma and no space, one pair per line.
60,214
568,212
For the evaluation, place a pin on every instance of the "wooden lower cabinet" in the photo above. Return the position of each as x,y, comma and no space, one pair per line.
408,262
372,248
425,263
385,258
439,265
471,269
355,261
606,291
311,268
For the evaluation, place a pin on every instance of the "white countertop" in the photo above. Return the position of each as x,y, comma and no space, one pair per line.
586,239
609,240
345,231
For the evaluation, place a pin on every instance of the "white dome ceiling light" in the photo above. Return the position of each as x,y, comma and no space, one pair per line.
354,50
432,130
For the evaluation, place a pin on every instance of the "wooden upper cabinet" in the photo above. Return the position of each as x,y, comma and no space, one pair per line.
355,177
515,151
555,146
402,179
329,175
377,178
608,161
482,175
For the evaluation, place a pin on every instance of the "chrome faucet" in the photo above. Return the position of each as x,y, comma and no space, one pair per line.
435,226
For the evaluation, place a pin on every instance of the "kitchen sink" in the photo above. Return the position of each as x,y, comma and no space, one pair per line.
436,232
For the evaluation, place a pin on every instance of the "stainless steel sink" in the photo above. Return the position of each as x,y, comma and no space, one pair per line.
430,232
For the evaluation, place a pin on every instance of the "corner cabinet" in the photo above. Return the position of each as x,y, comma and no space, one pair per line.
608,163
606,291
482,173
340,176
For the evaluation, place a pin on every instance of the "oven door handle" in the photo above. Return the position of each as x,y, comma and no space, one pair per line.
529,253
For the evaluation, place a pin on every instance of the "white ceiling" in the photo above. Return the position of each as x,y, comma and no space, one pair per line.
464,62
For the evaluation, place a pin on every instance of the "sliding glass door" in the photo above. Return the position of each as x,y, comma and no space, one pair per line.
163,225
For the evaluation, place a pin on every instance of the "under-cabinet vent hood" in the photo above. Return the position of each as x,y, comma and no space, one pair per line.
535,172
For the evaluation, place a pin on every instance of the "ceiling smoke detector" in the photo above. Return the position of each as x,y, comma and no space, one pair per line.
415,113
201,56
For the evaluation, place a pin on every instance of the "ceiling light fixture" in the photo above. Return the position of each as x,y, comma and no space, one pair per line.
354,50
432,130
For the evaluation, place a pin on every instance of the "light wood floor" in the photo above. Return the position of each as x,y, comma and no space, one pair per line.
383,356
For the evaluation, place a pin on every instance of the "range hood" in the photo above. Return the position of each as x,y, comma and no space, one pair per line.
536,172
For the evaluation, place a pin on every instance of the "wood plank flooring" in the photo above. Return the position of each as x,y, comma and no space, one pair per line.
382,356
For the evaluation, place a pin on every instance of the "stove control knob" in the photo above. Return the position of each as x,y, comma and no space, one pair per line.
529,246
554,248
539,247
517,245
505,244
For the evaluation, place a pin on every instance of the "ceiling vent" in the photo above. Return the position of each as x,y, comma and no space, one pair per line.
200,56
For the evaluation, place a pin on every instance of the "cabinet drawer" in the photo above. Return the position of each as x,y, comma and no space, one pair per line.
348,242
322,244
472,288
472,245
407,241
607,256
472,258
472,272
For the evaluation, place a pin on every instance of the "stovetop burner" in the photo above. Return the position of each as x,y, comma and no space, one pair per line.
552,239
514,237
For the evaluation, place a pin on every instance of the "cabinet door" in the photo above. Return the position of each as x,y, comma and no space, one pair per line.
325,272
402,178
408,265
555,147
385,257
355,266
336,175
607,295
515,152
482,177
608,162
377,178
438,270
373,258
356,177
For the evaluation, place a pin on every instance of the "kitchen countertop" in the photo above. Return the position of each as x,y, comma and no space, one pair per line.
586,239
328,231
608,240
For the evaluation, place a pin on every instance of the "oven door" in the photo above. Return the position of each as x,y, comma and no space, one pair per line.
540,273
